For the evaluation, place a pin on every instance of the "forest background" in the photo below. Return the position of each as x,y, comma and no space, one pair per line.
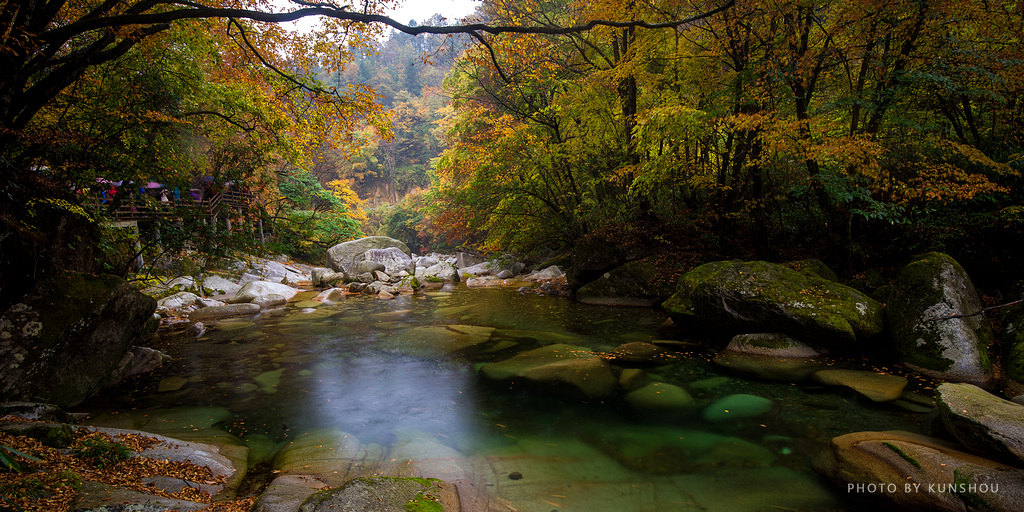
859,132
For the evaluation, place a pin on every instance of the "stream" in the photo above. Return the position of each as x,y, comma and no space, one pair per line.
365,375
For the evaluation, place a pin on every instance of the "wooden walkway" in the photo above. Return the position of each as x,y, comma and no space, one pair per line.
136,210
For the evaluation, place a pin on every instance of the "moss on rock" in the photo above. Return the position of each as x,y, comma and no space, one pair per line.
758,296
929,293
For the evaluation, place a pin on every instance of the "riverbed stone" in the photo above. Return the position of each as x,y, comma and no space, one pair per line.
226,311
218,285
879,387
928,292
576,366
640,353
386,494
757,296
634,284
256,291
343,256
894,462
439,273
437,340
981,421
330,455
484,282
661,396
321,277
394,260
673,450
330,295
178,300
286,493
60,343
136,361
772,356
736,407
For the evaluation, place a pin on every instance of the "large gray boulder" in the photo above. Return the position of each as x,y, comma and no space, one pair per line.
392,258
61,342
634,284
915,472
342,256
178,300
757,296
439,273
257,291
928,293
982,421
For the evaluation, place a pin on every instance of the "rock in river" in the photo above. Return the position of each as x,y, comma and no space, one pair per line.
915,472
982,421
757,296
929,293
569,364
60,343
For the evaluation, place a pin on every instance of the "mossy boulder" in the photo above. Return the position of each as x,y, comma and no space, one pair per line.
633,284
1013,349
982,421
814,267
756,296
60,343
929,293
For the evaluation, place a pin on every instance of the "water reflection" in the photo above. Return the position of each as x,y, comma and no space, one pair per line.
389,381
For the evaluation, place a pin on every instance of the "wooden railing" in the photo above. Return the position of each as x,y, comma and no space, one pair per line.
135,208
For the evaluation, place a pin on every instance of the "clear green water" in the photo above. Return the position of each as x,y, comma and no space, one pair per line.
358,371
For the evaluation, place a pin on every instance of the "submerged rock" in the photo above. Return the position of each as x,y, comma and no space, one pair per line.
982,421
329,455
734,407
661,396
569,364
879,387
757,296
437,340
386,494
928,293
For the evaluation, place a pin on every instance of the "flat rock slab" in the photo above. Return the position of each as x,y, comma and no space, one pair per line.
915,472
386,494
218,312
287,493
573,365
879,387
982,421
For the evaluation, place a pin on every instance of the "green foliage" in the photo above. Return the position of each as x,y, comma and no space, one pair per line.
101,451
9,458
